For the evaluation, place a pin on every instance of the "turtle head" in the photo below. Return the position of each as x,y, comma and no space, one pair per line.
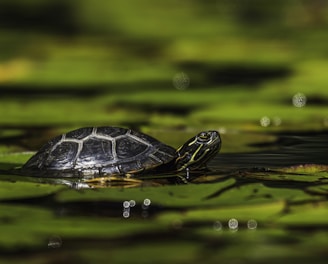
197,151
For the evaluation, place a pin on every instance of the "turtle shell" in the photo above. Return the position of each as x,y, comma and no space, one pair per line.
101,150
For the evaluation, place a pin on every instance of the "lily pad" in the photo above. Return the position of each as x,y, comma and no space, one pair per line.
19,190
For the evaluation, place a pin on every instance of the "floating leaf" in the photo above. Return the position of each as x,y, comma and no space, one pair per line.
20,190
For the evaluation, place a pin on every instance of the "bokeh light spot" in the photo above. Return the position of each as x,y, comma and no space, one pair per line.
325,121
276,121
217,226
251,224
147,202
233,224
265,121
181,81
132,203
126,213
55,242
126,204
299,100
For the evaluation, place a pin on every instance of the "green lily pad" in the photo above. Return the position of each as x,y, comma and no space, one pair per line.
319,190
310,215
44,224
19,190
13,160
309,169
224,193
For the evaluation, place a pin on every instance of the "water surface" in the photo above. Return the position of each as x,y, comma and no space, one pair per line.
248,200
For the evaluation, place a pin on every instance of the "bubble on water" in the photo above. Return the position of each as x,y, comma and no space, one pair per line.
132,203
181,81
55,242
265,121
299,100
251,224
146,202
233,224
217,226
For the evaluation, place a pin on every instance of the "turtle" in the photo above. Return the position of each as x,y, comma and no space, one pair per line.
115,151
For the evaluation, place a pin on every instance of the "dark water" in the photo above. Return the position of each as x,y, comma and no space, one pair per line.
286,150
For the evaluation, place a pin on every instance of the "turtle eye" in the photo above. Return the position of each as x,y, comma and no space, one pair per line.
203,137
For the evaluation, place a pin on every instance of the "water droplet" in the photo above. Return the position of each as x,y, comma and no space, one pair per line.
233,224
265,121
251,224
299,100
55,242
217,226
181,81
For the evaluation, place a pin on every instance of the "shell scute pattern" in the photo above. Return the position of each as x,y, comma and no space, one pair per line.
62,155
111,131
79,133
127,148
37,161
109,150
101,152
